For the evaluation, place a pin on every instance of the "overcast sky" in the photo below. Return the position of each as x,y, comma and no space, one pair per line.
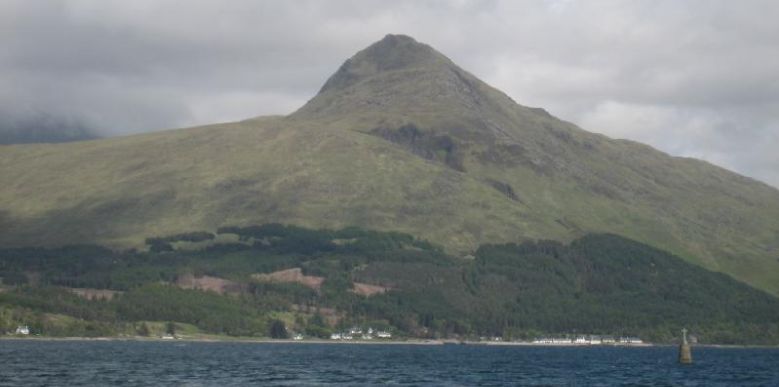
692,78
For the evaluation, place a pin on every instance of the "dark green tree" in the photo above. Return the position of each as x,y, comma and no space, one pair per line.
170,328
278,330
143,330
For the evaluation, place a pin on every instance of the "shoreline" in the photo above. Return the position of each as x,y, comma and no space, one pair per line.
225,340
434,342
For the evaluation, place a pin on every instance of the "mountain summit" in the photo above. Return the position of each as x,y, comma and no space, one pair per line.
398,75
399,138
393,53
410,94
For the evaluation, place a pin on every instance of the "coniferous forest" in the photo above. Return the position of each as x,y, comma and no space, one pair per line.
275,280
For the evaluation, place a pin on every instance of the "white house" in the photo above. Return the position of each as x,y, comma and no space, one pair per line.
632,340
383,335
22,330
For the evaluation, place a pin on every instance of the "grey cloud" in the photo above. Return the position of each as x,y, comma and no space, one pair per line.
694,78
25,127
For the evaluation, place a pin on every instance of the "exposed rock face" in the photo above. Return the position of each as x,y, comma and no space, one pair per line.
426,144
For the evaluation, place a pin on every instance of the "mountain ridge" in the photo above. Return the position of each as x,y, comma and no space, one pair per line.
426,149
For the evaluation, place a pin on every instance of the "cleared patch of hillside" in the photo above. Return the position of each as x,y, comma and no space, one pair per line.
294,275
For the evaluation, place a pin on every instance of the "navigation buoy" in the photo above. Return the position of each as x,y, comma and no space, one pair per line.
685,353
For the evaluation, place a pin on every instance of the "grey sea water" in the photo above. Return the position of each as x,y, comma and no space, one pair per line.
128,363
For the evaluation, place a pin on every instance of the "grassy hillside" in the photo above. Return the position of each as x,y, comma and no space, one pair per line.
401,139
230,283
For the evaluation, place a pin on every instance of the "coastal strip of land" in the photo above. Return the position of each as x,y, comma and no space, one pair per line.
317,341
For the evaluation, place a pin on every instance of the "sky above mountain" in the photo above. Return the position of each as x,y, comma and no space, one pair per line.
693,78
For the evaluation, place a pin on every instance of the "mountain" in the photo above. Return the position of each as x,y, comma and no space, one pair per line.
399,138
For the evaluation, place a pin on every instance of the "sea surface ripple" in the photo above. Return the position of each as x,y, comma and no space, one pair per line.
176,363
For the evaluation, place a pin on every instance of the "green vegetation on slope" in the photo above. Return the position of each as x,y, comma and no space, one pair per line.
601,284
400,138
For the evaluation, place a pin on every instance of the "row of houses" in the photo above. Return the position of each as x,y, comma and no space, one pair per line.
358,334
589,340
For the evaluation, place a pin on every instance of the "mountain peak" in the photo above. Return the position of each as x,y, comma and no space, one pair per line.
395,40
393,52
398,80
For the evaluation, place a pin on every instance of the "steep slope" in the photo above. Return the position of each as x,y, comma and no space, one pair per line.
399,138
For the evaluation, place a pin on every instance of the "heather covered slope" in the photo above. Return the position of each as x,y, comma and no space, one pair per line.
399,138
